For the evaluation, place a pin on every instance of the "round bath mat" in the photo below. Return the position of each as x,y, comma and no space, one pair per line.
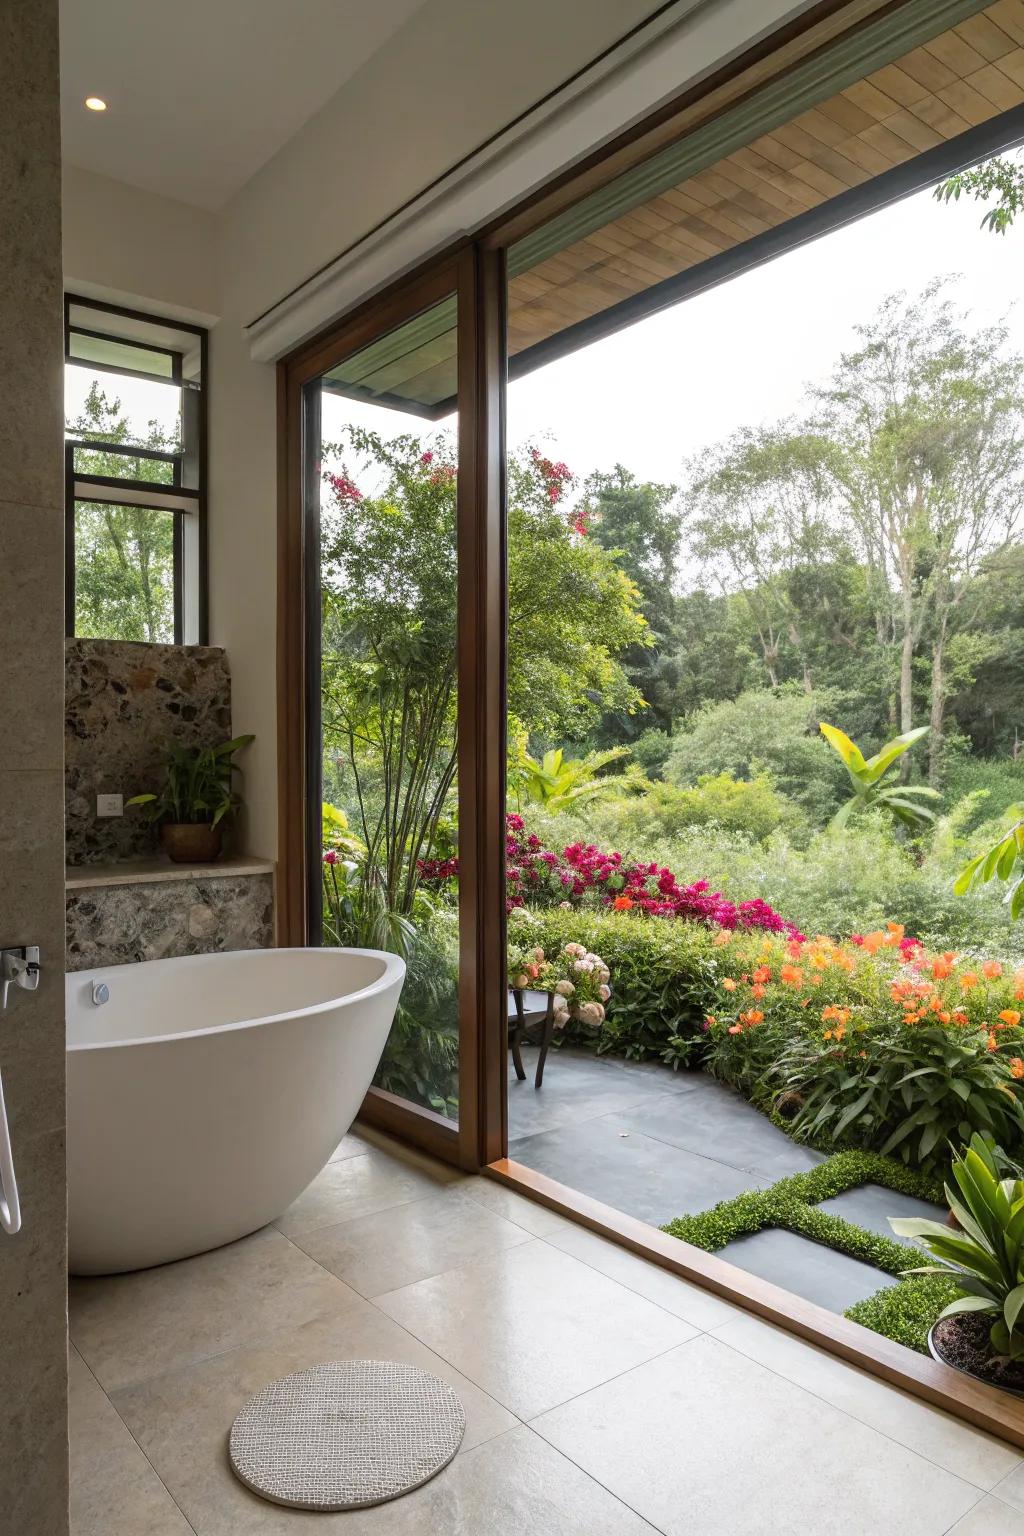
346,1434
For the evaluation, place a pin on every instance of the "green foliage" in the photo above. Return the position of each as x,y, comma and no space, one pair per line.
357,914
790,1204
871,791
198,785
985,1258
1001,179
1003,861
763,730
421,1058
651,751
753,807
661,974
124,556
559,783
914,1090
905,1312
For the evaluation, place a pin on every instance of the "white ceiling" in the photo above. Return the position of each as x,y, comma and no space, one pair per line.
201,93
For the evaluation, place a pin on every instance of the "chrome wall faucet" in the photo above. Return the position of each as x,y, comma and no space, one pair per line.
19,967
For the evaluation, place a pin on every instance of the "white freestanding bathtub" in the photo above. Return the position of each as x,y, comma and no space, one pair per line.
207,1092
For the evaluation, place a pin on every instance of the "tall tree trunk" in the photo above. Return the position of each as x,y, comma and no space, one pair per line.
938,714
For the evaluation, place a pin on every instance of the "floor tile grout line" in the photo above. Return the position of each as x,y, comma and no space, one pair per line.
849,1414
949,1531
598,1386
596,1480
693,1284
134,1439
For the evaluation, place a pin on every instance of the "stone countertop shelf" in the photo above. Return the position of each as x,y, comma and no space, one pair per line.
147,871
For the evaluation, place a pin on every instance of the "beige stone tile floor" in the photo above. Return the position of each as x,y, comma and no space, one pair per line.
603,1396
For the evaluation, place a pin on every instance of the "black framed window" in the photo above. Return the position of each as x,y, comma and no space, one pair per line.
134,475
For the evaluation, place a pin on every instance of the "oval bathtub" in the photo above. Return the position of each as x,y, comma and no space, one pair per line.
209,1091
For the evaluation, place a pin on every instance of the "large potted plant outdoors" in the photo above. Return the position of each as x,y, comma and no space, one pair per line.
196,798
982,1332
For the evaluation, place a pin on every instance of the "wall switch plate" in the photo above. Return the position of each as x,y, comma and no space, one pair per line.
110,805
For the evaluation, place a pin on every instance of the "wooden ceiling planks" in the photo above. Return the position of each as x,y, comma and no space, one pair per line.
956,81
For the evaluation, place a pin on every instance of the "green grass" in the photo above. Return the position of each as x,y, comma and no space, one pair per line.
902,1312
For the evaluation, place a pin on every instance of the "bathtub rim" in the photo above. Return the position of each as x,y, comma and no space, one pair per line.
394,969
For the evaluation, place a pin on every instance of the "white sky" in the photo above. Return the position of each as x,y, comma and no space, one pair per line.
740,355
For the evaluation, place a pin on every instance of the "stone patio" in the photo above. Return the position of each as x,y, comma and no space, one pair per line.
658,1144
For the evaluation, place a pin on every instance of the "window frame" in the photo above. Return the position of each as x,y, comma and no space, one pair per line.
186,502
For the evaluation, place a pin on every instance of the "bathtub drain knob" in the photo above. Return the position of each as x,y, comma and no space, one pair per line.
100,993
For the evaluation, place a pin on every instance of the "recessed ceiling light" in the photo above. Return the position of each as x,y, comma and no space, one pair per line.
95,103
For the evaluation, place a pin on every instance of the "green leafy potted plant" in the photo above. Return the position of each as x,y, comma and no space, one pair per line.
982,1332
196,797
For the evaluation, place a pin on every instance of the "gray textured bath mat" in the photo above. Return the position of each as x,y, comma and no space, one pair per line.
346,1434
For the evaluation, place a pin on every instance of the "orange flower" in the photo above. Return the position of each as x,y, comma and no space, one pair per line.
834,1034
959,1017
968,980
791,975
815,980
1011,1017
942,965
751,1017
1016,1067
873,942
623,903
944,1017
710,1019
729,984
757,990
993,1043
762,974
833,1011
735,1029
723,936
991,969
894,935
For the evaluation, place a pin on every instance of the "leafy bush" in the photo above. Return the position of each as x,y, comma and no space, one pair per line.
876,1044
773,730
651,751
905,1312
661,974
754,807
421,1058
985,1258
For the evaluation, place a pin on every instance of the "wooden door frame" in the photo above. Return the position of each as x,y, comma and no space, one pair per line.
477,279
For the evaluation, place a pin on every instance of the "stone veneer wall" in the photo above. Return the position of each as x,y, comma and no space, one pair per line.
126,704
153,920
33,1264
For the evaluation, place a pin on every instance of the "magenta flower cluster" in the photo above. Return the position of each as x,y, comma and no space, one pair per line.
583,873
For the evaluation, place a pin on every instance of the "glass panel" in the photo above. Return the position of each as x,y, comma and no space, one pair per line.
123,466
388,684
108,352
118,409
790,517
124,572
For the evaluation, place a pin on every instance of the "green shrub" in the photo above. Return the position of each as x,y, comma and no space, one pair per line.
790,1203
905,1312
753,807
871,1045
662,974
421,1058
651,750
764,729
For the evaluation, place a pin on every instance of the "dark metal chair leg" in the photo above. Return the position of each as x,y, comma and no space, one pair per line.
549,1030
516,1035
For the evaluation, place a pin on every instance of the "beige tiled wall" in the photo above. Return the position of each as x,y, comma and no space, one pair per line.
33,1290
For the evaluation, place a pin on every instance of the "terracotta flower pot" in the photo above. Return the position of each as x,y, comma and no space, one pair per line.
191,842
